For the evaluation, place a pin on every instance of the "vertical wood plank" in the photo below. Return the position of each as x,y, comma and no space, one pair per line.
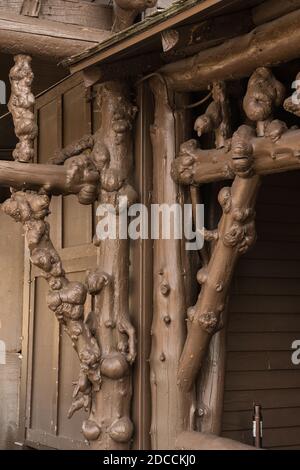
141,274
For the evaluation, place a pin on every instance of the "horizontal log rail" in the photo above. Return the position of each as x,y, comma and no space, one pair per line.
271,43
45,39
53,179
197,166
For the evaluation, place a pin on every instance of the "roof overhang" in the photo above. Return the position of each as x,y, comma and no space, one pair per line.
145,37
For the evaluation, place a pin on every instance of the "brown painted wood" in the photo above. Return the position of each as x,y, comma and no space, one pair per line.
271,43
264,321
141,274
172,409
271,9
197,166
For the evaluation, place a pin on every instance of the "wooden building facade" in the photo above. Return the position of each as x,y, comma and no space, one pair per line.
172,348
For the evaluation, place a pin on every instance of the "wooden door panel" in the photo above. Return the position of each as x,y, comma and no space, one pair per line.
52,363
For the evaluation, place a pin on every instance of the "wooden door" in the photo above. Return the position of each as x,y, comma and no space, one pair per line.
64,115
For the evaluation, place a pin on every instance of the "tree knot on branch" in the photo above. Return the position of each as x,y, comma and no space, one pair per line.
83,177
208,321
182,167
242,151
21,107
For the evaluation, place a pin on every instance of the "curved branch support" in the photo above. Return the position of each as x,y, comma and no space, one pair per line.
66,299
127,10
236,230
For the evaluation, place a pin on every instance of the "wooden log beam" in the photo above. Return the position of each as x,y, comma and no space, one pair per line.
203,441
172,409
45,39
271,9
197,166
76,177
271,43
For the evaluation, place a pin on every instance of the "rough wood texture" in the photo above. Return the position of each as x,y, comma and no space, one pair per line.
172,409
198,166
216,117
109,425
202,441
235,235
45,39
66,299
127,10
105,340
109,284
21,106
236,231
271,43
77,12
76,177
31,8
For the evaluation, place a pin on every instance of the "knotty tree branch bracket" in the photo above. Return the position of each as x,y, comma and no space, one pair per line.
235,233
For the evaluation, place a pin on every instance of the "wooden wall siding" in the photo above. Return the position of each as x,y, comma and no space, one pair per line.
79,12
63,114
265,320
11,285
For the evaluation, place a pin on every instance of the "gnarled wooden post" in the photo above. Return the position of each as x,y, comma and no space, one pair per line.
101,165
109,283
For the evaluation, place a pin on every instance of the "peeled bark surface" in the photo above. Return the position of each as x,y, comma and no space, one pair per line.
172,409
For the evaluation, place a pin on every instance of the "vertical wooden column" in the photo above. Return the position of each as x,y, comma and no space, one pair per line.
172,409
